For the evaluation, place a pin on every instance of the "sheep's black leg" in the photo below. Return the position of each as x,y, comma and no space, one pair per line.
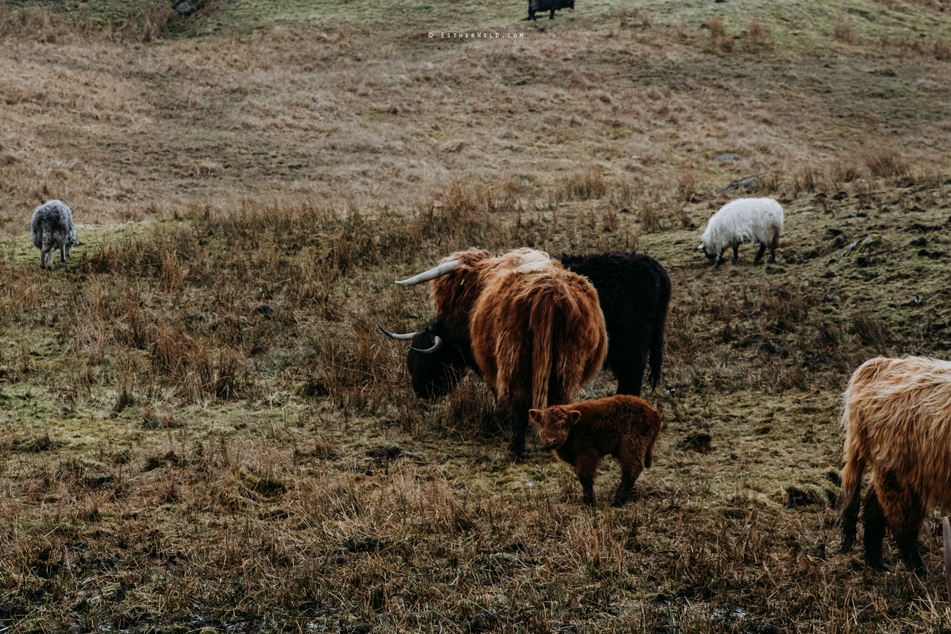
874,531
62,253
736,253
716,262
772,250
759,254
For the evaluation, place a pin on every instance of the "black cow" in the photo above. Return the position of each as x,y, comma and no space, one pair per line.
548,5
634,293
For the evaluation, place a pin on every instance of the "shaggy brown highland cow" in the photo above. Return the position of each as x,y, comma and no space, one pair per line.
536,330
582,433
897,421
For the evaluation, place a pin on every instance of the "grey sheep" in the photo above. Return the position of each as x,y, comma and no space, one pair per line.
52,228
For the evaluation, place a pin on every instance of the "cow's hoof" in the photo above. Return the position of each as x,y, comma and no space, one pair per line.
877,564
517,458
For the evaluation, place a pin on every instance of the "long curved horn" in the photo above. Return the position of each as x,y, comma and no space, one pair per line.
431,274
436,346
393,335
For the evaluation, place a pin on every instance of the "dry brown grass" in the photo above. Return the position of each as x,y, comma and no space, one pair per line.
842,31
721,40
586,184
884,161
755,34
175,457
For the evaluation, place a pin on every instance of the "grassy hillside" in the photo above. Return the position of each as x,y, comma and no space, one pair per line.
175,458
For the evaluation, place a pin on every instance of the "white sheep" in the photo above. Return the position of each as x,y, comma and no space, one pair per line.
743,221
52,229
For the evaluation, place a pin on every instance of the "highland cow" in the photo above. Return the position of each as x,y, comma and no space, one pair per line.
540,6
583,433
743,221
897,420
634,292
634,295
534,330
52,229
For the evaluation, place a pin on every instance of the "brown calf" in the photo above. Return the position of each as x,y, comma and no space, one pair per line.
582,433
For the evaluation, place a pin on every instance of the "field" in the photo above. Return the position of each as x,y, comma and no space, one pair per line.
175,457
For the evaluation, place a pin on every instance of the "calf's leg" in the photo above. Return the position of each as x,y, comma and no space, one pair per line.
631,457
586,467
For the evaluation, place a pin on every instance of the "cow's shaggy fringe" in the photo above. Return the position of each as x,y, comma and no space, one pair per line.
897,420
743,221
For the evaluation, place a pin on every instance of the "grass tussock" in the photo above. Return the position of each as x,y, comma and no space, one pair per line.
843,32
586,184
885,161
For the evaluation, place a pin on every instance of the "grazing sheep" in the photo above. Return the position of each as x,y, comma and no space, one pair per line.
52,228
582,433
897,420
743,221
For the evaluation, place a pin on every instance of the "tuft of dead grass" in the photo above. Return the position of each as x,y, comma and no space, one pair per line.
884,161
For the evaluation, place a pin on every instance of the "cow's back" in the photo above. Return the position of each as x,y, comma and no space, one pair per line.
525,317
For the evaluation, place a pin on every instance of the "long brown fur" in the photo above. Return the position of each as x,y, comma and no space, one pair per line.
623,426
897,420
537,330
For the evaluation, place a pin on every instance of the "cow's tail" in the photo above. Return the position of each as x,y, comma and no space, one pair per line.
657,338
542,328
854,459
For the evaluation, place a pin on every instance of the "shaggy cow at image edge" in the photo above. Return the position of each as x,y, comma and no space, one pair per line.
536,330
634,294
897,420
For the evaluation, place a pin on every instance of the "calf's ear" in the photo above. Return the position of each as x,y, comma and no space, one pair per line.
574,417
534,415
